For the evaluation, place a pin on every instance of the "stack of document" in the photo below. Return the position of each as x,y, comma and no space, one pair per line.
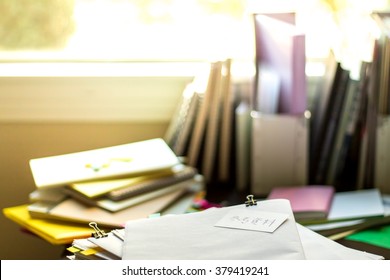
109,185
335,214
353,211
264,230
113,213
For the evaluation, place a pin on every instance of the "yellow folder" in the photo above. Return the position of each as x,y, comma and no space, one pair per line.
56,233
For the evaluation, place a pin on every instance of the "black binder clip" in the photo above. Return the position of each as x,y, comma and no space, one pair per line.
250,201
98,232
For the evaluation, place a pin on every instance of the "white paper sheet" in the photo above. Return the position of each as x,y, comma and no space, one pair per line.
318,247
195,236
111,243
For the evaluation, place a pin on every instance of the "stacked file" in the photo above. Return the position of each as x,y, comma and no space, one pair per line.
264,230
108,185
335,214
111,185
112,202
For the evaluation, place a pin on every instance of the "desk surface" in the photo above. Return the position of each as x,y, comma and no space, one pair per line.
229,197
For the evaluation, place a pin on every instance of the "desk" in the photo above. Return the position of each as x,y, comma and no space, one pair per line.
231,197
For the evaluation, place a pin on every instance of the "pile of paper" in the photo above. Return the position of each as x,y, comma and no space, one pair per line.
108,185
265,231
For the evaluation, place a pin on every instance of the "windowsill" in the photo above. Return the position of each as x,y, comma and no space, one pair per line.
100,69
95,92
102,92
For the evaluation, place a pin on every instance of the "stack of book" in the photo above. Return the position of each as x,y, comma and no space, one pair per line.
334,214
109,186
351,113
201,129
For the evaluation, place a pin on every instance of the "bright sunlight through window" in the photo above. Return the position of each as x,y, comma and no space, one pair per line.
169,30
123,29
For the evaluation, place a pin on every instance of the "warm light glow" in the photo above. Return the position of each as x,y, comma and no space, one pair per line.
161,30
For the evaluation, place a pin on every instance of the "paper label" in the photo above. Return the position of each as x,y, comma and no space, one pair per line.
252,220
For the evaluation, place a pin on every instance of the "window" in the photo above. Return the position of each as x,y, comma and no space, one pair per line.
101,60
122,29
166,30
52,39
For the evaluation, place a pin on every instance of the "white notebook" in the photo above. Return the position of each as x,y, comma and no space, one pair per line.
126,160
356,205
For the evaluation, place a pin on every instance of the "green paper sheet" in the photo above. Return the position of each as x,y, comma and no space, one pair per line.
378,237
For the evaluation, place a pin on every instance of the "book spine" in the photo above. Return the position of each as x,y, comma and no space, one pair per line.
334,112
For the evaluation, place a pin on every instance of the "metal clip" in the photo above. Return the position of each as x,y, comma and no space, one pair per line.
98,232
250,201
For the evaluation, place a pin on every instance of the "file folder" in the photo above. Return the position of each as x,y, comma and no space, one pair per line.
382,159
279,151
